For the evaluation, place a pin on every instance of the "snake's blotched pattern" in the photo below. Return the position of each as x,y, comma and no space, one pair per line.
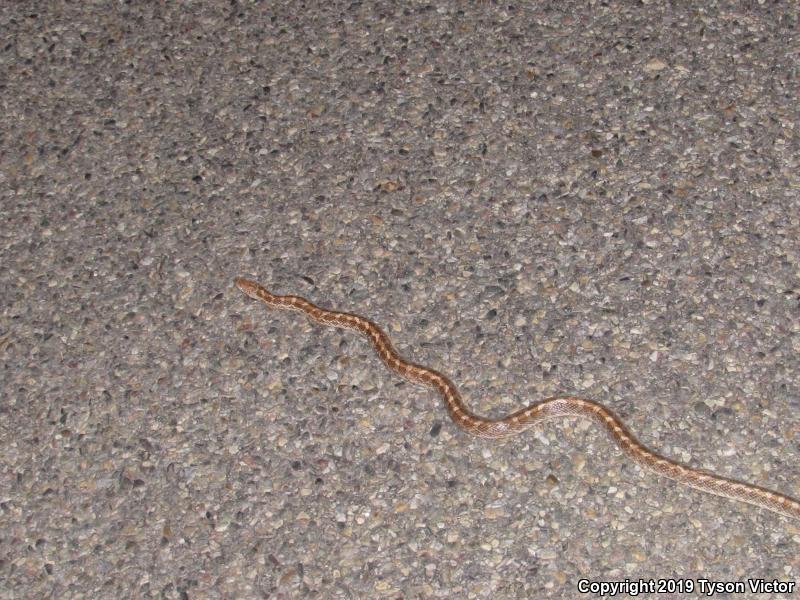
537,412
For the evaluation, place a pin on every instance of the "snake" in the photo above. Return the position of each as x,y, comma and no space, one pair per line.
532,415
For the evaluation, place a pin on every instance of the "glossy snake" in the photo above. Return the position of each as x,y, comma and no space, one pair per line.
519,421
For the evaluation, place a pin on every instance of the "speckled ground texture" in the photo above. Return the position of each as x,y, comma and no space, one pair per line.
593,198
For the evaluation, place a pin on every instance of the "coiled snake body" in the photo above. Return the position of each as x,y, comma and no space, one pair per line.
537,412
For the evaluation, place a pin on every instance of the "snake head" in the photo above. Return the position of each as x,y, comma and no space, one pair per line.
250,288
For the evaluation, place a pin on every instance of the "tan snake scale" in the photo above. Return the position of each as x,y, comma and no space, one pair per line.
537,412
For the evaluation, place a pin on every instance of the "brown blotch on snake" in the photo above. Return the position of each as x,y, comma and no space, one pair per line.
519,421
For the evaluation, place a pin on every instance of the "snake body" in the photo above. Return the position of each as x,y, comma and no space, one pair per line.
519,421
